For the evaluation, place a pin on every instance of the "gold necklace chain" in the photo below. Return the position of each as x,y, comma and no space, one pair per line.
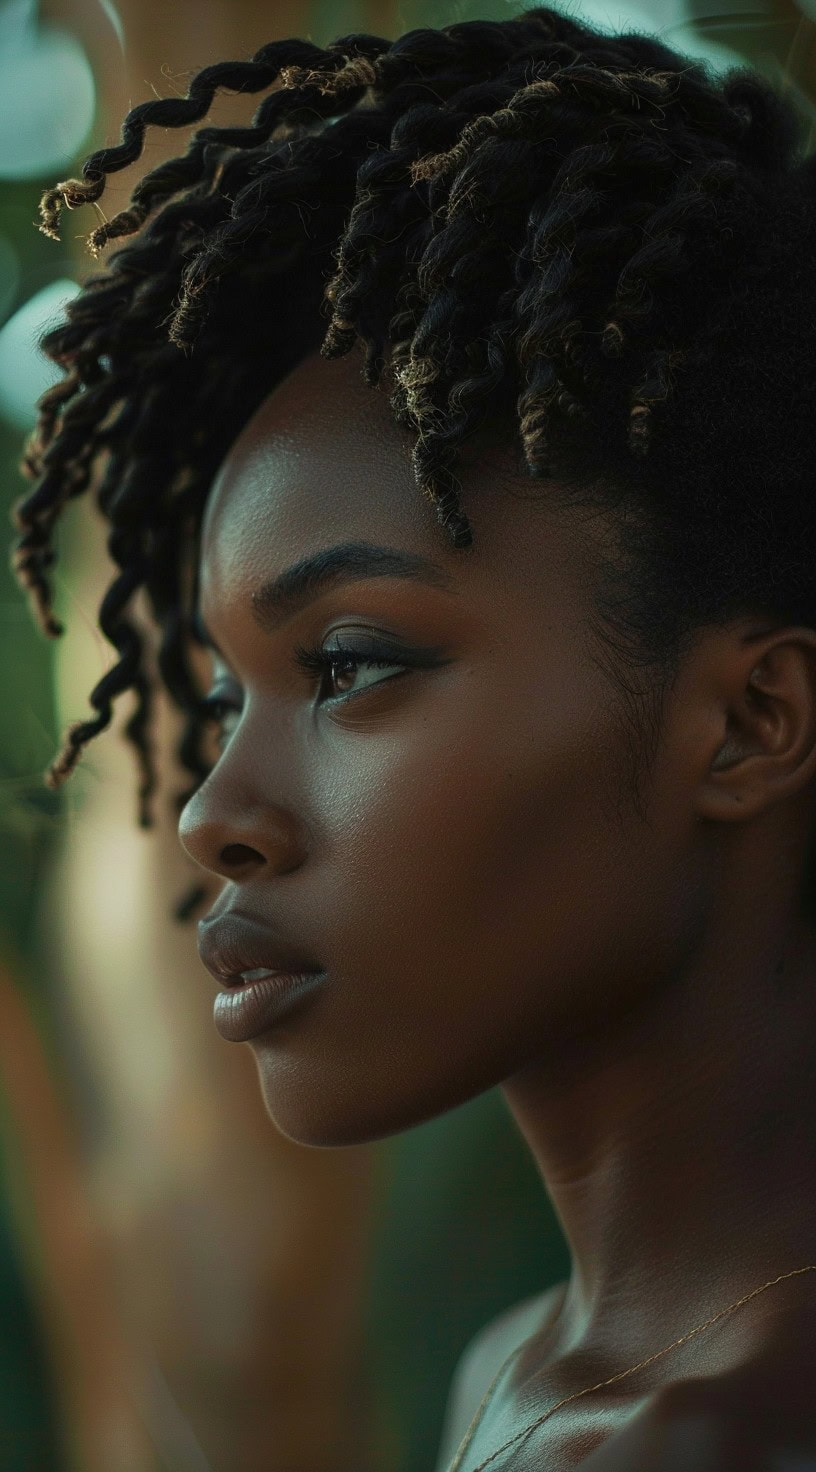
482,1407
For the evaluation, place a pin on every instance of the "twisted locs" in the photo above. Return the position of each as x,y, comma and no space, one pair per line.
525,224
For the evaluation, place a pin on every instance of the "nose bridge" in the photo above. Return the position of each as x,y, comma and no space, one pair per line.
225,828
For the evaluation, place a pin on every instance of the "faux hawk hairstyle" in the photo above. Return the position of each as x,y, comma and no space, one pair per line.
590,242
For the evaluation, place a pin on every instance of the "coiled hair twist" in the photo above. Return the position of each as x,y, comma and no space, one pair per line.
584,240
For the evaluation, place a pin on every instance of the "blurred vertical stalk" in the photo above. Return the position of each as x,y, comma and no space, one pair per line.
68,1259
231,1261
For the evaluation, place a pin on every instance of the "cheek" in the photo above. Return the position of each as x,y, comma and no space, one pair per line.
481,857
481,902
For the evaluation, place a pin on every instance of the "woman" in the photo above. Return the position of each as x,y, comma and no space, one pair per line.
525,801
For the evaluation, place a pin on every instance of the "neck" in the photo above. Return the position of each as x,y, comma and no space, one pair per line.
677,1149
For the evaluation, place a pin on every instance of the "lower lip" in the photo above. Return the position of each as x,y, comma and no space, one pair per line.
245,1011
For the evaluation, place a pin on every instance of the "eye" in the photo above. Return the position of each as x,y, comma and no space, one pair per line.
338,668
215,709
342,663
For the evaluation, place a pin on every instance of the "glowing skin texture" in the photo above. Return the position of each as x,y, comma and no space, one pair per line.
451,838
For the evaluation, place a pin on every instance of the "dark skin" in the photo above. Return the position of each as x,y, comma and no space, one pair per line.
458,847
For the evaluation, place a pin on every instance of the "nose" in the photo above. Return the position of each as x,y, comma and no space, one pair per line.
237,845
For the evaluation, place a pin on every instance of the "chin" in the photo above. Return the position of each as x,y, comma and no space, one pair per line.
324,1114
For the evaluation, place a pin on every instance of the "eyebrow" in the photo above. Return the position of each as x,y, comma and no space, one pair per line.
275,602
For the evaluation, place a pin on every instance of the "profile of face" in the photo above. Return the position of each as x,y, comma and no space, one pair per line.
446,833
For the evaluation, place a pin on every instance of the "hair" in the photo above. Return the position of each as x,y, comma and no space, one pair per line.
587,241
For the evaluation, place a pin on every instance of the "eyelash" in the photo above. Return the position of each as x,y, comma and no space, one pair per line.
319,661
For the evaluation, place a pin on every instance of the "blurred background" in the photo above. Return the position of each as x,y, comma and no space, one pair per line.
180,1287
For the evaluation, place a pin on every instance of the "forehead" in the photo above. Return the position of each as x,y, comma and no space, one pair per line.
323,462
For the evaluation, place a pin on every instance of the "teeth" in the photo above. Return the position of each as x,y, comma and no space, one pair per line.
256,974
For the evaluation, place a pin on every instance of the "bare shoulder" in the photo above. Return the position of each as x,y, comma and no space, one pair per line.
483,1357
761,1416
773,1396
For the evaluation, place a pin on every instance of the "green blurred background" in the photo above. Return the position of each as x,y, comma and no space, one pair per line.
165,1300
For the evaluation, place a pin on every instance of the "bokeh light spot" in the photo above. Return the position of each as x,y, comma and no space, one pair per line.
47,94
25,372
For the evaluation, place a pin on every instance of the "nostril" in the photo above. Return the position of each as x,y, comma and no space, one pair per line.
239,853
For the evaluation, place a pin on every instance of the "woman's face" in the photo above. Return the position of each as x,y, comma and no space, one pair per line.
448,836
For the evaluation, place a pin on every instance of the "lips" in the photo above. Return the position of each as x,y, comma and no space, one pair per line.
255,1009
230,944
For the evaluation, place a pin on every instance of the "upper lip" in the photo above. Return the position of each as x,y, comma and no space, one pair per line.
231,944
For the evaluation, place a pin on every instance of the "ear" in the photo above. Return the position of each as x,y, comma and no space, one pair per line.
764,738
